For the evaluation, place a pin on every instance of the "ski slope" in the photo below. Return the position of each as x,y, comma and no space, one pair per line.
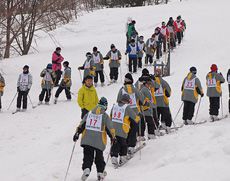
36,145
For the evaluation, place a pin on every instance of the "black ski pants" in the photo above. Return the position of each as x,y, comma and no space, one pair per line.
188,110
214,106
45,93
148,59
83,112
92,154
132,64
113,73
67,92
58,77
22,99
119,147
164,115
101,74
178,34
132,135
139,62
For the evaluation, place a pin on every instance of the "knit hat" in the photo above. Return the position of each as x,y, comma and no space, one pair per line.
193,70
145,72
125,98
88,54
214,68
26,67
112,46
128,78
49,66
94,49
66,63
86,78
103,102
58,49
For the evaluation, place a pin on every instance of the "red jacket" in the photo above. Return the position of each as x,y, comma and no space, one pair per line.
179,26
56,61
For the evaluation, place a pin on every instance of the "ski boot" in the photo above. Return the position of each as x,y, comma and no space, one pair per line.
114,161
95,84
102,84
151,136
131,151
101,176
190,122
47,103
123,160
39,103
85,175
55,100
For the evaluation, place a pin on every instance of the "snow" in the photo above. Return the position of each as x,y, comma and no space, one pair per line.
36,145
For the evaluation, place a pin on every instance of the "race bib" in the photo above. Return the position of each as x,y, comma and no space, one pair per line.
133,101
159,92
96,59
114,56
87,65
190,84
24,80
211,82
94,122
118,114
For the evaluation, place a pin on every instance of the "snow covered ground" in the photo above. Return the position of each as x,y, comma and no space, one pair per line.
36,145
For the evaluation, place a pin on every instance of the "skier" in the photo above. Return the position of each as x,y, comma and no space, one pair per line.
130,31
65,83
228,79
136,98
191,87
132,50
114,56
179,28
94,127
99,64
162,94
158,39
87,96
47,84
165,32
2,85
214,92
171,28
23,87
141,45
88,66
147,110
150,49
139,83
56,64
122,116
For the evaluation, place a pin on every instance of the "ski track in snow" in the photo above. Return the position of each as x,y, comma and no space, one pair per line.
36,145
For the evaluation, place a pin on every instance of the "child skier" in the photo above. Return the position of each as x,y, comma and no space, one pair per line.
94,127
214,92
191,88
2,85
23,87
114,56
65,83
88,66
122,115
56,64
99,67
47,84
141,45
150,49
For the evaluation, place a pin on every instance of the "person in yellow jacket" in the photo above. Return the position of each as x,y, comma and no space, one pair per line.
2,85
87,96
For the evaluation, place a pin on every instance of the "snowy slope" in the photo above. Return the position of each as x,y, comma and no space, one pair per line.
36,145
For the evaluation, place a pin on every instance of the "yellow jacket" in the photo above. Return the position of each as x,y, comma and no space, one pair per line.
87,98
2,84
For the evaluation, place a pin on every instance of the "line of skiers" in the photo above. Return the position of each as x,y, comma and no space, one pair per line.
140,105
166,35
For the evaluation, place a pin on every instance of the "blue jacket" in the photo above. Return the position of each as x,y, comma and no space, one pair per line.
132,53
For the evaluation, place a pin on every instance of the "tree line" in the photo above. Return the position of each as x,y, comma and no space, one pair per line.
21,19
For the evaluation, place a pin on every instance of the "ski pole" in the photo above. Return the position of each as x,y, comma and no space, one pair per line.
12,101
71,156
31,102
106,76
80,76
222,108
197,110
178,111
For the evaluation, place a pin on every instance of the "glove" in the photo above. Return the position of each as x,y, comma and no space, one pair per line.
76,136
18,89
125,53
27,91
220,73
113,140
102,66
202,95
